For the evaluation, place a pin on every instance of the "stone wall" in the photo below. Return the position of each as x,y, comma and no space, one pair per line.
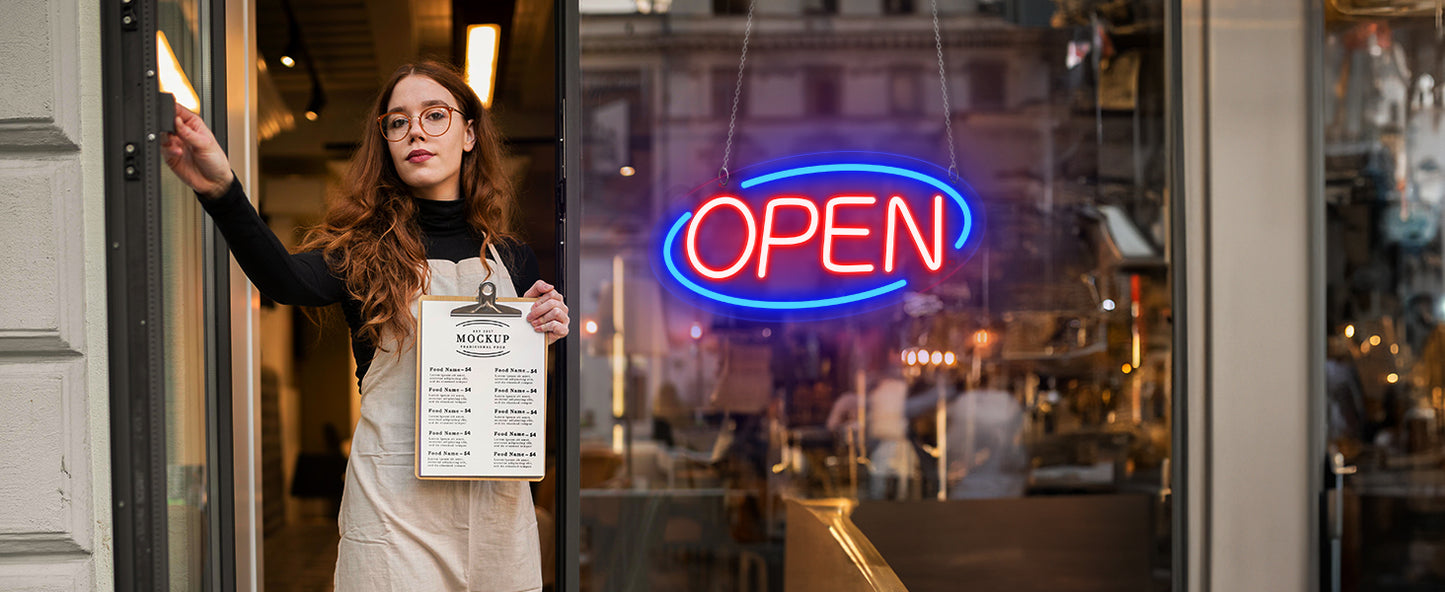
55,522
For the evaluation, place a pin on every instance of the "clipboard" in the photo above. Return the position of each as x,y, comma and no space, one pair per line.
505,416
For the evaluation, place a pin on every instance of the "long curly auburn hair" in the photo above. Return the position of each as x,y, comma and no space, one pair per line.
370,236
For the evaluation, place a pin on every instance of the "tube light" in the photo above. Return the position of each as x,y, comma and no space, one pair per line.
483,42
173,80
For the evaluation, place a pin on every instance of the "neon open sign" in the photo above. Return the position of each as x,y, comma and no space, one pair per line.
819,235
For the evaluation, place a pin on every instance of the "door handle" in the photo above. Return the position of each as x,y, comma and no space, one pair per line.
165,112
1166,480
1337,523
1339,469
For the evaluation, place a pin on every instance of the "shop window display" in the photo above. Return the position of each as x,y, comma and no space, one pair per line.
1020,408
1384,295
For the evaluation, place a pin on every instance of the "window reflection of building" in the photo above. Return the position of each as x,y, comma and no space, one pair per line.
1058,329
722,7
725,89
822,91
987,86
905,90
820,7
898,6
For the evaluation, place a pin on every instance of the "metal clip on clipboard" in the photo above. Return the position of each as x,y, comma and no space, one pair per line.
486,305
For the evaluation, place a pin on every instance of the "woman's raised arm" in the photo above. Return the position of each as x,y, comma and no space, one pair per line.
198,160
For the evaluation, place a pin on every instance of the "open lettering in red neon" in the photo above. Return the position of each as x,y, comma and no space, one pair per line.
830,230
897,208
742,260
929,246
769,225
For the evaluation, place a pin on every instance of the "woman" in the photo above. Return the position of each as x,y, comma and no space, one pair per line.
425,209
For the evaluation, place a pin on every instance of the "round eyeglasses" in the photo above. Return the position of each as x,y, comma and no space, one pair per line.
434,121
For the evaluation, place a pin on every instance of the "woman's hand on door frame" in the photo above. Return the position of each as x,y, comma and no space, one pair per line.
195,156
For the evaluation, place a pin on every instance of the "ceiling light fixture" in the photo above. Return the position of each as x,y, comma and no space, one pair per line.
293,51
318,99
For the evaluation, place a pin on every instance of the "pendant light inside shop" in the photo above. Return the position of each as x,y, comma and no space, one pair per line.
296,53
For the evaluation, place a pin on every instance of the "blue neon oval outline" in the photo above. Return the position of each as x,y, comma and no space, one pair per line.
858,167
768,304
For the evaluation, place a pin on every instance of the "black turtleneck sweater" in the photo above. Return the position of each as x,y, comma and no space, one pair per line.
305,279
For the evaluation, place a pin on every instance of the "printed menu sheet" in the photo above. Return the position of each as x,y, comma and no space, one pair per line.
481,389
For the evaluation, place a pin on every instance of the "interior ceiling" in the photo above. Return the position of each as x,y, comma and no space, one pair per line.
337,34
356,44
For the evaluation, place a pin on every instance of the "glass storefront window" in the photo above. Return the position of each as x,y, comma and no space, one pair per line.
1384,297
1019,410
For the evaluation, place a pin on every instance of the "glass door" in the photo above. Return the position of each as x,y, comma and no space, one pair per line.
1383,370
183,69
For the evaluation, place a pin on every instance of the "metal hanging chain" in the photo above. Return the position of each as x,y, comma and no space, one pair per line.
943,84
737,92
738,89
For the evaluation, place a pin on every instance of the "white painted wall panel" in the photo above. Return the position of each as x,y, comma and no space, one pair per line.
55,526
25,47
38,50
49,576
42,281
44,481
32,490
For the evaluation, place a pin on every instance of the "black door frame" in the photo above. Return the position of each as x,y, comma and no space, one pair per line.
134,119
569,158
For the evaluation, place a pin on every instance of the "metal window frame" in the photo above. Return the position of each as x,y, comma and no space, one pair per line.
1183,455
220,436
1324,570
569,159
135,304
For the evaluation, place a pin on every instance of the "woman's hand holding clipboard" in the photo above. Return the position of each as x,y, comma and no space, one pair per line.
549,312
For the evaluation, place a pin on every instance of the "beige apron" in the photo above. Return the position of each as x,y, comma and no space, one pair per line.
401,533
